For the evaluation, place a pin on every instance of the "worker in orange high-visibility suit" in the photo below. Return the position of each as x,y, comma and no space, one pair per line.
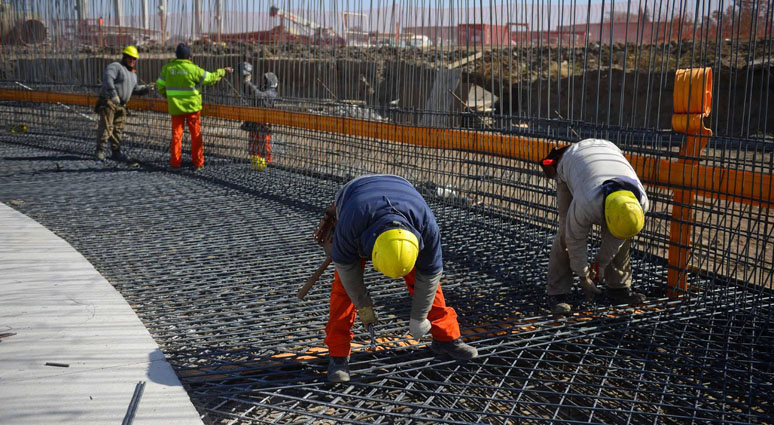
384,219
179,83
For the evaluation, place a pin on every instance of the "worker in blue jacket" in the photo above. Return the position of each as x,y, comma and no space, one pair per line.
384,219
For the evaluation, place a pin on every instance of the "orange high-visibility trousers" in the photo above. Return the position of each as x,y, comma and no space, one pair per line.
443,319
260,145
197,146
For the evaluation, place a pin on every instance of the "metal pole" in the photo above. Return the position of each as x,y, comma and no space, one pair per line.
118,10
145,24
162,15
83,9
219,17
197,20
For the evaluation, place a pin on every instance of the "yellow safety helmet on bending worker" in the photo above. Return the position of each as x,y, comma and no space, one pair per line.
131,51
395,252
623,214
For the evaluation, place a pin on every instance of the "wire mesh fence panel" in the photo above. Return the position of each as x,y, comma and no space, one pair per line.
462,100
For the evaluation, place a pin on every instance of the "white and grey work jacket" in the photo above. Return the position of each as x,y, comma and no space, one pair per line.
582,170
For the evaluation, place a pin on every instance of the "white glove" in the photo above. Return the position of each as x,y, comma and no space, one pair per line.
418,328
116,100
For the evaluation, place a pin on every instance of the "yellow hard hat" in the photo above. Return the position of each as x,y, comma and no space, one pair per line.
395,252
623,214
131,51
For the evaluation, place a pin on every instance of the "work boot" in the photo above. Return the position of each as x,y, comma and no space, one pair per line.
119,156
338,369
456,349
559,304
625,296
100,155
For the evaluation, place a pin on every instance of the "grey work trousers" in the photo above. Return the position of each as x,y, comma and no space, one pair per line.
617,274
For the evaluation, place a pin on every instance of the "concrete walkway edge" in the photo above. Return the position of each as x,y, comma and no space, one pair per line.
63,311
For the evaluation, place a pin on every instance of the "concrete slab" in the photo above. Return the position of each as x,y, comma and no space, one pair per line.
64,311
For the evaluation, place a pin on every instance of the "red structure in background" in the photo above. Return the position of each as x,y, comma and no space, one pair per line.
438,35
483,35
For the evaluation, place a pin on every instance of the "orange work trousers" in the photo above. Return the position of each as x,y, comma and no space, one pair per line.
197,146
260,145
443,319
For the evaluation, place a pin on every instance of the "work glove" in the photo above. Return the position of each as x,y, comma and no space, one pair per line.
418,328
247,77
116,100
588,286
323,234
367,316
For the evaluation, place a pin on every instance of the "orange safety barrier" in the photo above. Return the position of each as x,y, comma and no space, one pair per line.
692,97
716,182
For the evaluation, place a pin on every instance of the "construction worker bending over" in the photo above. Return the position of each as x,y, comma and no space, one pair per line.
595,184
384,219
119,83
179,83
260,133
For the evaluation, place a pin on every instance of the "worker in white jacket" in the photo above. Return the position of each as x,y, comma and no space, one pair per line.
595,184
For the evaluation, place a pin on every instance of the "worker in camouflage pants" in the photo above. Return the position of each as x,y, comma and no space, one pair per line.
119,83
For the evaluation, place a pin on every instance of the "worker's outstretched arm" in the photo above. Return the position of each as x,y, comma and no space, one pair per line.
209,78
161,85
253,89
142,89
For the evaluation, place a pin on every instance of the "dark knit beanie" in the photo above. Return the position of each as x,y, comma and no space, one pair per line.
182,51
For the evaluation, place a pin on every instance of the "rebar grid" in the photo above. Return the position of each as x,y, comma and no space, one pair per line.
211,262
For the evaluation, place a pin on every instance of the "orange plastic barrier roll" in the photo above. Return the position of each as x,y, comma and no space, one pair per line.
692,93
692,102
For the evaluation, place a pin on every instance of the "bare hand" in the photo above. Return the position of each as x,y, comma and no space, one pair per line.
229,69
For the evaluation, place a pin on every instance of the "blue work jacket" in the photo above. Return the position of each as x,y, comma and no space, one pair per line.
369,205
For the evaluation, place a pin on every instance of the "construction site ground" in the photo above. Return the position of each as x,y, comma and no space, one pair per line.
211,262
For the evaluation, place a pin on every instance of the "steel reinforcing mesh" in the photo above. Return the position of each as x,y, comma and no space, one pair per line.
211,260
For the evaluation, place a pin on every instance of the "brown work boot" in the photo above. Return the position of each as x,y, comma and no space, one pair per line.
620,296
559,304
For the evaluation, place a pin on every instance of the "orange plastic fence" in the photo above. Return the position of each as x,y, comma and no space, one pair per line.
716,182
692,97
